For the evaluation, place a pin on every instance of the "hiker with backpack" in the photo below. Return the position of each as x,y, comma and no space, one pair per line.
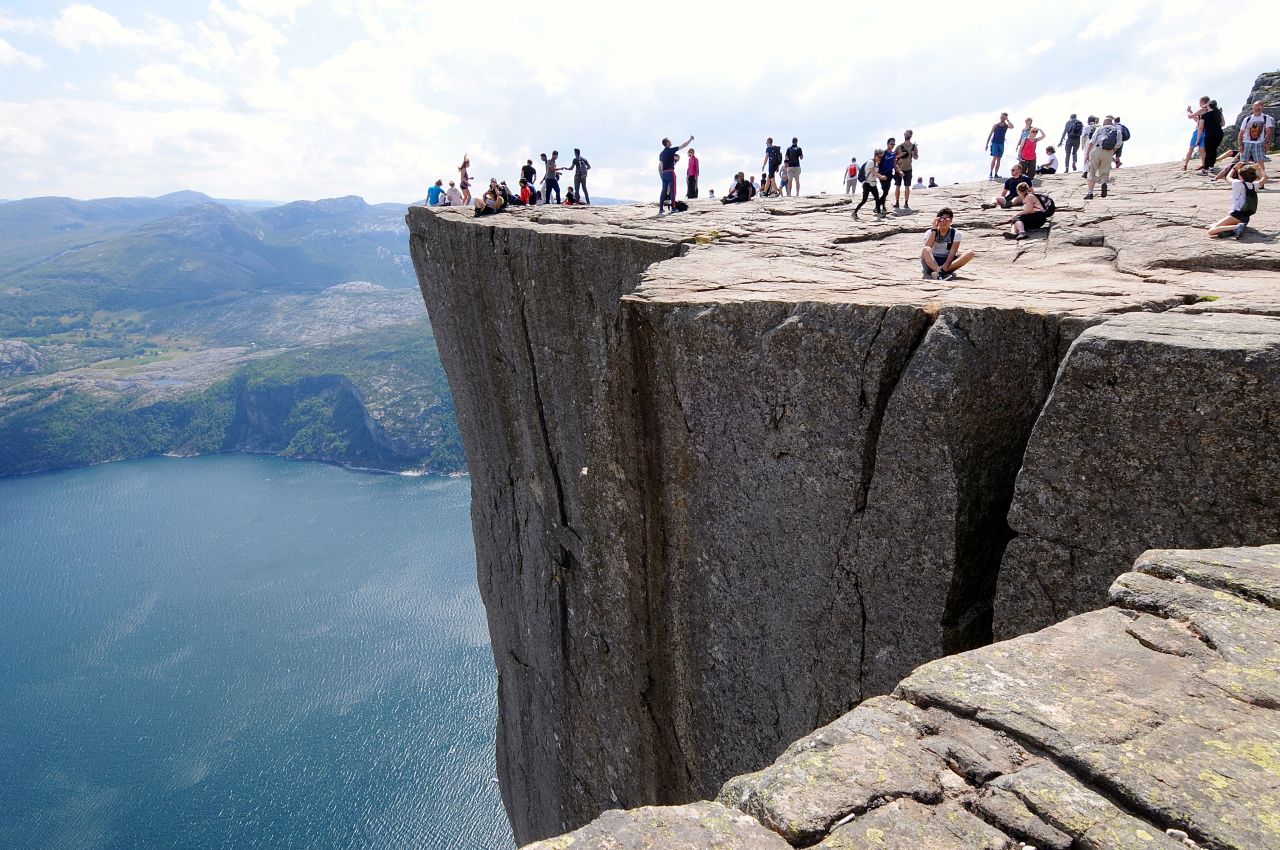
870,177
938,260
851,176
580,167
770,165
1245,184
1257,132
1036,210
1099,154
795,153
995,144
1071,134
1124,137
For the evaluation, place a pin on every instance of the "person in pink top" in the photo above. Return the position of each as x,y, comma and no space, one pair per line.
692,176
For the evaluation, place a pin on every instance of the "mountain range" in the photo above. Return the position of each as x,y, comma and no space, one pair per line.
184,324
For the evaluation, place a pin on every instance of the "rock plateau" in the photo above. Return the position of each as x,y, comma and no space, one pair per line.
738,470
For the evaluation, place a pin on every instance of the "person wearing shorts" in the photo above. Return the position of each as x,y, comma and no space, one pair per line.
1244,179
1032,217
995,144
1099,158
939,260
1197,140
772,162
1257,132
904,156
795,153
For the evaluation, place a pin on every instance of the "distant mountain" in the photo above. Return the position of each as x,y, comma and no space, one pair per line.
61,259
130,326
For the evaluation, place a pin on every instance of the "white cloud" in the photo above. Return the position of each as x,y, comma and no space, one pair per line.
80,25
1039,47
158,84
10,55
1109,24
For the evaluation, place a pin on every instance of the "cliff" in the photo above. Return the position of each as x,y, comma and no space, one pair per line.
1149,724
735,471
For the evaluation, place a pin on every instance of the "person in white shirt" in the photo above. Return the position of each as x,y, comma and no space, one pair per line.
1050,167
1245,183
453,196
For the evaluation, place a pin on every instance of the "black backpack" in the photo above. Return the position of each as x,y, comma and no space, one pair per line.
1124,133
1109,138
1250,199
1047,202
862,171
1076,128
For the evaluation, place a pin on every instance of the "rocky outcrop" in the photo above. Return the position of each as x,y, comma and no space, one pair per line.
737,470
1161,431
1266,89
17,358
1148,724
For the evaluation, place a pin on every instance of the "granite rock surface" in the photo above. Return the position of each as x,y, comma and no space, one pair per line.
1124,728
738,469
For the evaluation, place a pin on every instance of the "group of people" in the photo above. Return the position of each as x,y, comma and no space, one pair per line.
893,164
499,196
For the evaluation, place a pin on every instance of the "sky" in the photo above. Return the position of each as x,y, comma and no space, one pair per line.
307,99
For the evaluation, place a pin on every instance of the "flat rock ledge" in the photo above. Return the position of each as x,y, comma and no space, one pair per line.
1127,727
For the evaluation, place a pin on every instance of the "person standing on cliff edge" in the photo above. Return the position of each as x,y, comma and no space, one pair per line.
795,153
995,144
580,168
667,172
691,176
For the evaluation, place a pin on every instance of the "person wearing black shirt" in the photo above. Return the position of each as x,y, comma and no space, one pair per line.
667,171
1009,197
529,173
772,161
795,153
1212,122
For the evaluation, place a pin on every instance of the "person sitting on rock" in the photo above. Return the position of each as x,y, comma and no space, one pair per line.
932,183
1245,184
1032,217
527,195
1051,166
1009,197
453,196
941,244
490,202
435,194
570,199
741,191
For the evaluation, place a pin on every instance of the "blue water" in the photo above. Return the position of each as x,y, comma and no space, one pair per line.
242,652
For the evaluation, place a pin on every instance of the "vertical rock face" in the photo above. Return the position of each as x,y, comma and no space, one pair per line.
737,470
1162,430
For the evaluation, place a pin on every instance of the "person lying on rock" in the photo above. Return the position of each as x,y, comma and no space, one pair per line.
941,244
1032,217
1245,184
1009,197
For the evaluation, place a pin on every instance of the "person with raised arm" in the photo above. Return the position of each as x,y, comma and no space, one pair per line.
667,172
995,144
939,258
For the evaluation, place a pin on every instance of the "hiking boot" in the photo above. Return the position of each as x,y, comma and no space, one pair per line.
896,207
906,206
1088,196
1104,190
1239,230
1020,236
988,206
948,276
1008,235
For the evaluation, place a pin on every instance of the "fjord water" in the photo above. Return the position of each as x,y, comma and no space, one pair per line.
243,652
